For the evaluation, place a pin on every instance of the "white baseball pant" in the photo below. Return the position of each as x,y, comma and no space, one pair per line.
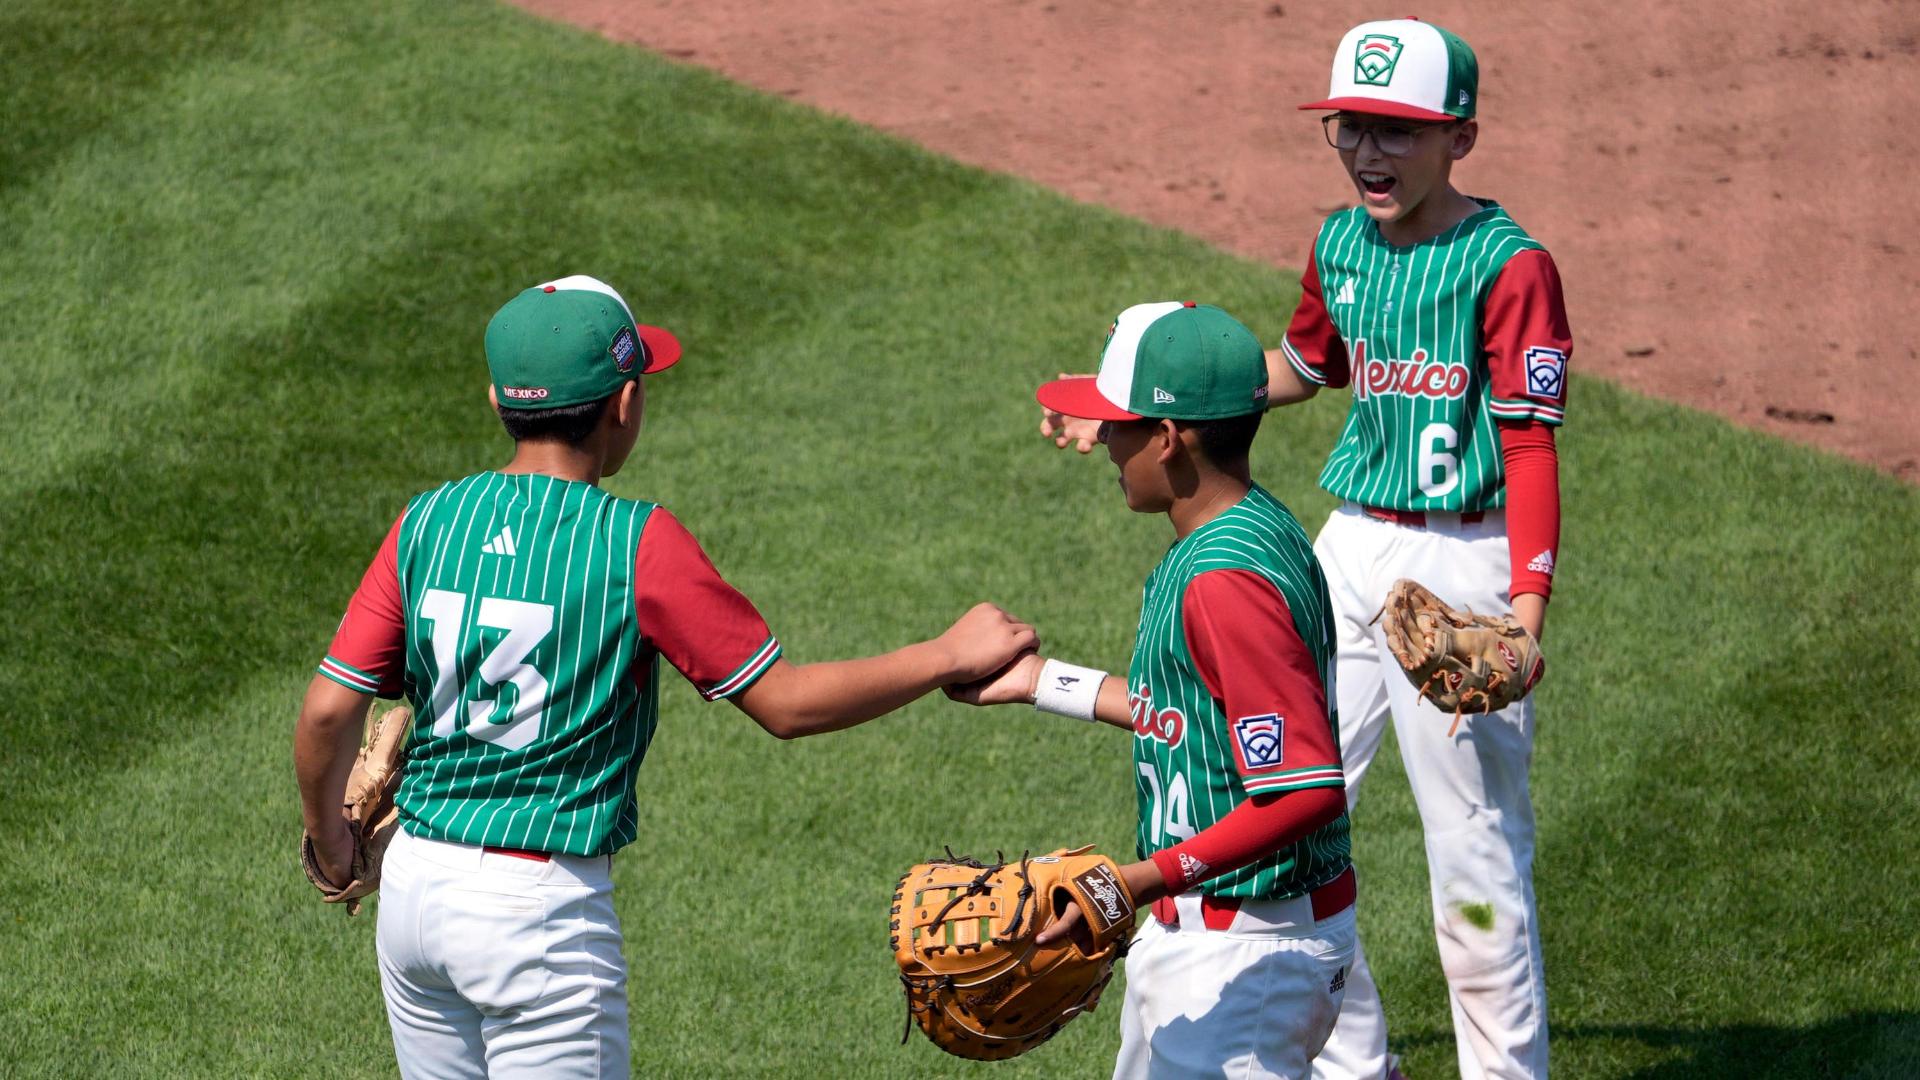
1252,1002
496,965
1471,792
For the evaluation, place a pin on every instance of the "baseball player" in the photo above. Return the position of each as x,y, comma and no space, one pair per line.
1242,820
1447,321
523,612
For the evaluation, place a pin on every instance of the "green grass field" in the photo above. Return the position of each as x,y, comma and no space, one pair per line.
250,249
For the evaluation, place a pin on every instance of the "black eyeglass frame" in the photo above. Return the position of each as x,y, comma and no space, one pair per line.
1415,128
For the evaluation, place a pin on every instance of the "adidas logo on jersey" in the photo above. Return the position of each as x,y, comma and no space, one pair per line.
501,544
1161,397
1541,563
1345,295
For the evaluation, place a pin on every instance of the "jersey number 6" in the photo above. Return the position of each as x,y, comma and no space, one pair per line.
1436,459
526,625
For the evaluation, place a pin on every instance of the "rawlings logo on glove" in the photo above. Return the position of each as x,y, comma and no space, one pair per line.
1460,661
963,933
372,819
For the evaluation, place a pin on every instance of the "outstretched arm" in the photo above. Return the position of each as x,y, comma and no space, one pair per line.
1019,684
807,699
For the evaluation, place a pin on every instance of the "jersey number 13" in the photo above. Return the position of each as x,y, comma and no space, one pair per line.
526,625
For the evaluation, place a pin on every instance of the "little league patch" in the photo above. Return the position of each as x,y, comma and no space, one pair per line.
1374,59
1258,740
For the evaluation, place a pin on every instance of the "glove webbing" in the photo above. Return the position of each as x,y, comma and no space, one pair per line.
973,888
1486,700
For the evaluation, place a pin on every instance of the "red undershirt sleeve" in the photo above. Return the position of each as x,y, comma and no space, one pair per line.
1533,504
368,653
1249,654
1312,343
708,630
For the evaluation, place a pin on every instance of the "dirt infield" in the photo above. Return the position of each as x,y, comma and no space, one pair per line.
1723,184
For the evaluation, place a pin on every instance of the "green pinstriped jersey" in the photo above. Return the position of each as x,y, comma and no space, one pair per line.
1184,758
530,718
1420,431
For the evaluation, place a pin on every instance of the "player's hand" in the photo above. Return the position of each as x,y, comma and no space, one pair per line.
1144,883
983,641
1011,685
334,853
1063,429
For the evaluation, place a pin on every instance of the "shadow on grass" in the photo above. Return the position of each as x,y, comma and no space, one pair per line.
1857,1046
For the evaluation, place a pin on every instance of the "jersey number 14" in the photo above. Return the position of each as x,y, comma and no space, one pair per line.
1170,816
526,625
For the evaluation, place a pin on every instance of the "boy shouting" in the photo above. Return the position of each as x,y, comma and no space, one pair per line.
1446,321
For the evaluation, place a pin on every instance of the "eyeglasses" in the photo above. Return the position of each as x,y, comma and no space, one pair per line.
1393,139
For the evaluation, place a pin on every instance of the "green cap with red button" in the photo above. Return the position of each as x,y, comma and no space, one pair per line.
1171,360
568,342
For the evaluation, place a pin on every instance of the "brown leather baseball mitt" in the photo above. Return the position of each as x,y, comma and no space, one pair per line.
1459,661
963,935
371,816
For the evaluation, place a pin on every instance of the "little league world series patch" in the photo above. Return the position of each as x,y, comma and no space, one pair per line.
1257,740
1546,372
624,348
1374,59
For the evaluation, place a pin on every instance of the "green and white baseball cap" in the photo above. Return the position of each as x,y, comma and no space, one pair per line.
568,342
1171,360
1405,68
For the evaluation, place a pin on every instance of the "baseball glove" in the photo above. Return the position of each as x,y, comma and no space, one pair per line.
963,935
371,816
1459,661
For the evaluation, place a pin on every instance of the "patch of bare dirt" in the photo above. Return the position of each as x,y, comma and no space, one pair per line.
1726,186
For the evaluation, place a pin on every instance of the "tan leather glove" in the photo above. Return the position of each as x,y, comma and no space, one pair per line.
963,938
1460,661
371,816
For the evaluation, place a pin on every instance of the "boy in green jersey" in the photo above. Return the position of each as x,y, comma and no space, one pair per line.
1242,830
1447,322
523,613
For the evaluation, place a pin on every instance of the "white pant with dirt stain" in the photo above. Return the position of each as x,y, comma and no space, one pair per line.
1251,1002
1471,791
500,966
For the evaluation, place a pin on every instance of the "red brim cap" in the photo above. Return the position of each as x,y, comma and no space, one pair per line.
1081,397
663,349
1378,107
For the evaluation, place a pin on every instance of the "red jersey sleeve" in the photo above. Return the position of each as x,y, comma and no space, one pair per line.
1312,343
1248,652
1528,341
368,653
706,628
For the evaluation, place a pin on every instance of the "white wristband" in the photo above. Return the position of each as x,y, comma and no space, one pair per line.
1066,690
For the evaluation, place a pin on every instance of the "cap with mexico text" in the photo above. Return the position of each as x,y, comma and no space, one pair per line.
1173,361
568,342
1403,68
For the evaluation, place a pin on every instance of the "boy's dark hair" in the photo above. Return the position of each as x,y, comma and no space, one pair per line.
1228,441
570,424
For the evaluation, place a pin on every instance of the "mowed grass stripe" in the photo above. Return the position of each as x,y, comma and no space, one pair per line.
309,220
